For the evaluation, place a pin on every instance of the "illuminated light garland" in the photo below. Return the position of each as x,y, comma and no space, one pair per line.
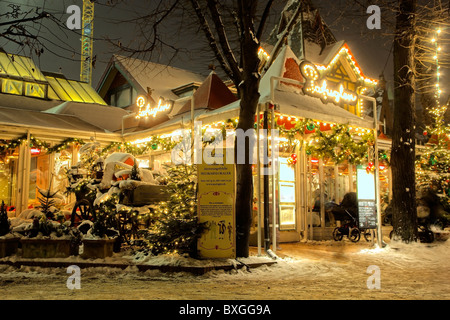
262,54
346,51
289,138
433,165
37,143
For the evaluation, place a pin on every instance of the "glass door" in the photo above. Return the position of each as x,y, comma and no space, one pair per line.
286,187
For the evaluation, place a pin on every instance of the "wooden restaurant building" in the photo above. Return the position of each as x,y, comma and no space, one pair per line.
315,97
313,108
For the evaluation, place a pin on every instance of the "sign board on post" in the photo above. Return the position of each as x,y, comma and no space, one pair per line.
216,205
367,205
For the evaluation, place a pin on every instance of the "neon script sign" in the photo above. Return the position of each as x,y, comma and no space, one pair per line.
312,87
145,109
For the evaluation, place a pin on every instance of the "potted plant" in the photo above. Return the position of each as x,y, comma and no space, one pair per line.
49,239
8,241
98,240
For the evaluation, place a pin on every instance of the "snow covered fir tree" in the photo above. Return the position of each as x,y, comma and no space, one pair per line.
176,228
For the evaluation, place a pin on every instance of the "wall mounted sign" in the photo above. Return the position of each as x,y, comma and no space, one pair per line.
317,86
146,110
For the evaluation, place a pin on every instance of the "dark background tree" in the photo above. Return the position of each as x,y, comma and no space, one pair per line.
403,142
409,25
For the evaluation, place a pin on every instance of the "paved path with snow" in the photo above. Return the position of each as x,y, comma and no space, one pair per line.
313,270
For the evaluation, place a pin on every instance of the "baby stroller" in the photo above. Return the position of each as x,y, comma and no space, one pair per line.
346,212
349,229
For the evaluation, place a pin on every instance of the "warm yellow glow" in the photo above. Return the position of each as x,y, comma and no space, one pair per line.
337,95
344,50
145,110
263,54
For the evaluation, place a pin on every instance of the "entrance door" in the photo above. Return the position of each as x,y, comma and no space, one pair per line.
286,187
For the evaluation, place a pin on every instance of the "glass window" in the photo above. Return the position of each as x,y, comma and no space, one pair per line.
39,176
123,98
92,93
63,162
286,191
12,86
286,171
7,65
31,70
8,177
287,217
63,95
113,100
83,94
34,90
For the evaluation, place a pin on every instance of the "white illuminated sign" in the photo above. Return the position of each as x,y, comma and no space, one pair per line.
335,96
323,91
146,110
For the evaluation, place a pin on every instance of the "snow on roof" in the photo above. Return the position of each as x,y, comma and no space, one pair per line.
279,68
316,55
161,79
31,118
26,103
290,99
304,106
106,117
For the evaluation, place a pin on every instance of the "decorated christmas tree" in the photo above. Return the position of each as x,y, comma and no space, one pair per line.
433,165
176,229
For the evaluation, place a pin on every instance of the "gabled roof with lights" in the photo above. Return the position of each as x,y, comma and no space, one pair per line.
343,52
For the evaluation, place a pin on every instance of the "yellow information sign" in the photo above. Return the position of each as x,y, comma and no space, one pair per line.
216,206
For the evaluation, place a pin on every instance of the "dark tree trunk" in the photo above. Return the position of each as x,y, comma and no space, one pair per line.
403,142
249,93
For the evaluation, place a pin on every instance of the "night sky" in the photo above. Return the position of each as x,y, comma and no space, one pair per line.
371,48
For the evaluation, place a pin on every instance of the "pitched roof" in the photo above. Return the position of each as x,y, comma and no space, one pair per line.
285,65
212,94
289,98
30,118
92,114
145,75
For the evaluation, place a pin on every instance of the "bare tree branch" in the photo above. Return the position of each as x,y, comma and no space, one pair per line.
223,39
212,41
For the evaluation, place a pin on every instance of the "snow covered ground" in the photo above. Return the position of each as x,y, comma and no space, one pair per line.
313,270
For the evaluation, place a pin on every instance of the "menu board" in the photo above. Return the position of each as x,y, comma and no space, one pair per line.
367,213
367,206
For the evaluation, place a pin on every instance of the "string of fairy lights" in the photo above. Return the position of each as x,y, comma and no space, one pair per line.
338,142
433,165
